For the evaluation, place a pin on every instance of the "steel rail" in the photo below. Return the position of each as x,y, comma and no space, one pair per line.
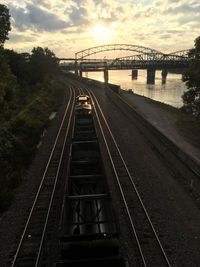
41,183
120,187
135,189
54,187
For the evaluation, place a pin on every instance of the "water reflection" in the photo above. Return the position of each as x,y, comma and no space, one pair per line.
169,92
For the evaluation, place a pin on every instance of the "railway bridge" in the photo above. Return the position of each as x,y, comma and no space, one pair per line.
141,58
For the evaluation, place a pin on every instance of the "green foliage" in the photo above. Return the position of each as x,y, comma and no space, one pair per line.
7,147
19,65
191,98
43,63
7,82
28,126
32,69
6,198
20,135
4,24
29,92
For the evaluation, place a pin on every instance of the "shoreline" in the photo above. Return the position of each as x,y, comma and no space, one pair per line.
157,102
181,128
169,93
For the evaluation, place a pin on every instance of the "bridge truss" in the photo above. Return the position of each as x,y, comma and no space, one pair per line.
176,59
142,58
112,47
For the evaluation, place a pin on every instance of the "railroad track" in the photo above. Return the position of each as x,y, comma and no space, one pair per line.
29,248
184,167
149,247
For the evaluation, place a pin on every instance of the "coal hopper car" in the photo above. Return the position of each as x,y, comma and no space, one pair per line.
89,232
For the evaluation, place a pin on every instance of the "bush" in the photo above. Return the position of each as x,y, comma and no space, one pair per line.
6,198
7,148
191,98
26,103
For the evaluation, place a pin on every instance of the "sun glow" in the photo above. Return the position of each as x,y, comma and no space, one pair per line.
101,33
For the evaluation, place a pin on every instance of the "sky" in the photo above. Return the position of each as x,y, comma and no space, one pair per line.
68,26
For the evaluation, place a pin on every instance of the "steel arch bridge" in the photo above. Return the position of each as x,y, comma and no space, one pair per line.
143,58
112,47
181,53
178,59
178,55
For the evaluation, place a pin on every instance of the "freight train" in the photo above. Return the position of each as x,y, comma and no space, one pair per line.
83,104
89,231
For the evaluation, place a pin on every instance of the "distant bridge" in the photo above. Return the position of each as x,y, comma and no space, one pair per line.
143,58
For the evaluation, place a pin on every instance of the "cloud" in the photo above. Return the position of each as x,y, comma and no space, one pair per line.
188,19
66,25
184,9
77,15
42,3
36,18
18,38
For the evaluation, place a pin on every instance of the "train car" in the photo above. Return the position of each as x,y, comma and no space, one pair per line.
84,127
89,231
83,104
83,98
83,108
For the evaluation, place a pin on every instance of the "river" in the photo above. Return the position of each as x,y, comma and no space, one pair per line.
169,93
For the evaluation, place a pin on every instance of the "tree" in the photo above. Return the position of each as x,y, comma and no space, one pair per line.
191,98
43,63
4,24
7,82
19,65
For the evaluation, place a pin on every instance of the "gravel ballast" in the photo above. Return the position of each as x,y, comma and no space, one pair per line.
173,212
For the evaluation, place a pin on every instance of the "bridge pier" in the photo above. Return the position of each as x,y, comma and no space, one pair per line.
76,68
134,74
164,76
80,73
151,73
105,76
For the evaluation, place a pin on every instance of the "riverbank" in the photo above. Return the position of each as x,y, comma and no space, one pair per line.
179,127
170,92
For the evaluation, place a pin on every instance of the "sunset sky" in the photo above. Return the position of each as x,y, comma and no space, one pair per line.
68,26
